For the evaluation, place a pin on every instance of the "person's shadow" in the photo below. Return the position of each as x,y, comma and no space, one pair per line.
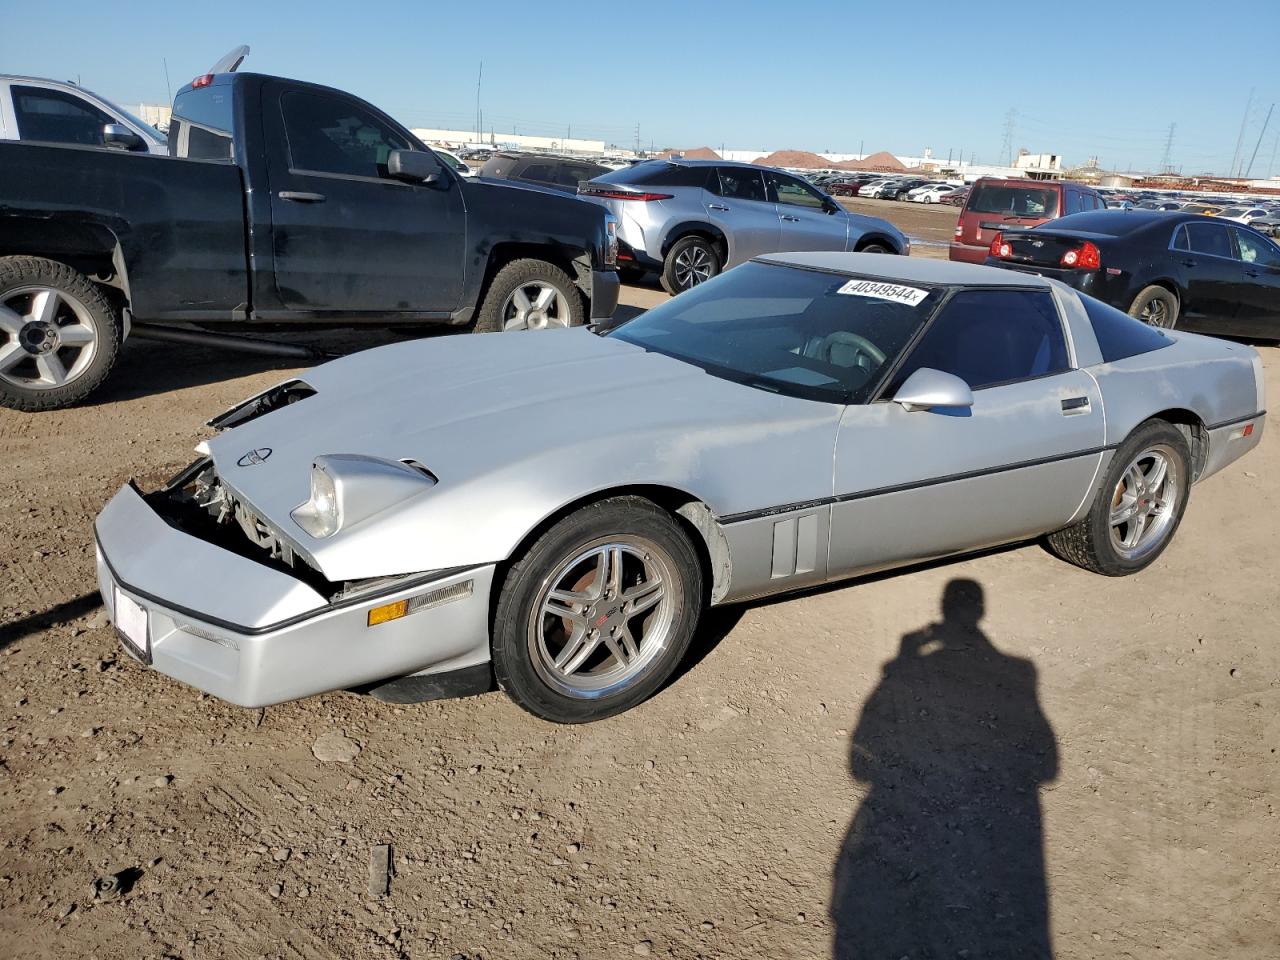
945,857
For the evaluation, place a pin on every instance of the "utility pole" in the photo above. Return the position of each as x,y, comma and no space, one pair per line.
637,139
1249,169
1240,139
1166,162
1010,122
479,115
861,144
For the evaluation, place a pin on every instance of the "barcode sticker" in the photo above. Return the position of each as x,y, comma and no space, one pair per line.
884,291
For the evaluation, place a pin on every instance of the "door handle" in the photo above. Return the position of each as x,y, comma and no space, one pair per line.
791,219
716,206
300,196
1253,273
1188,263
1073,404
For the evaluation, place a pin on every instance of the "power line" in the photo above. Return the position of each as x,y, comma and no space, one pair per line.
1235,158
1254,156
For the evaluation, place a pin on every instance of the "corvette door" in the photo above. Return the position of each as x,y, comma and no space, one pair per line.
1020,462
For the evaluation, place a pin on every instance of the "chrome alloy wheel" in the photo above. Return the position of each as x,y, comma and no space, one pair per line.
536,305
693,266
603,617
1155,312
47,338
1144,504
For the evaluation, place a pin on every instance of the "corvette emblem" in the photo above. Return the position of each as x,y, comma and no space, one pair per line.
254,456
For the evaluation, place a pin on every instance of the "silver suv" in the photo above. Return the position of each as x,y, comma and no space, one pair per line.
687,220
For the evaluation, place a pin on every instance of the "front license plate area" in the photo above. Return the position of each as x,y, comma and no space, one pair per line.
131,624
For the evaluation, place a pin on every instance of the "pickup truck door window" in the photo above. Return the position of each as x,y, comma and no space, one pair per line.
803,216
1018,463
738,204
335,212
1212,276
54,116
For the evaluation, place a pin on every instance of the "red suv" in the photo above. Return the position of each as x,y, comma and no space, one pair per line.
993,205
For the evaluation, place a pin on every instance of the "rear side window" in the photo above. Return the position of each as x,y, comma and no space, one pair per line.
1210,239
989,337
1013,201
1120,335
55,116
334,135
739,183
201,126
1257,249
658,173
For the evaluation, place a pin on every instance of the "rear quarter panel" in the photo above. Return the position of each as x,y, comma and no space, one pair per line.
1213,379
179,224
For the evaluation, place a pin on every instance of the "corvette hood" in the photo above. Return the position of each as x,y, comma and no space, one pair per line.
515,426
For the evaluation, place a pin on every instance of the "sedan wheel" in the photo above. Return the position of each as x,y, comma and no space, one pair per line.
1155,306
593,618
1144,502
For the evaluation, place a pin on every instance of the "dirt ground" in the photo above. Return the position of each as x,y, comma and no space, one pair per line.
1060,764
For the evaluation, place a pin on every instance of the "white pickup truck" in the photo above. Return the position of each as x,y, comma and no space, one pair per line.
49,111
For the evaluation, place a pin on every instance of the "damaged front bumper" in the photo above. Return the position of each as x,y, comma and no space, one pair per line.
254,635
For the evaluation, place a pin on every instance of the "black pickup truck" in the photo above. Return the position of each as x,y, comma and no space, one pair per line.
281,204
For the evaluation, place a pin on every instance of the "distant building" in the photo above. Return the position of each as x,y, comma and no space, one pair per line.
1039,166
509,141
156,114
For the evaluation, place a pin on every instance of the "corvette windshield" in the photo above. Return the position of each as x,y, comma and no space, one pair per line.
805,333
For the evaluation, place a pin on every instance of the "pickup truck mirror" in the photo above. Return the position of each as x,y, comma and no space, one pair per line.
412,166
119,136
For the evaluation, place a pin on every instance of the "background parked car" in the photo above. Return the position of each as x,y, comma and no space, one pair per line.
1169,270
454,163
47,111
558,173
994,205
688,220
934,192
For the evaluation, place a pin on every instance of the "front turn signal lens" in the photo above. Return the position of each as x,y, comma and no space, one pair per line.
388,612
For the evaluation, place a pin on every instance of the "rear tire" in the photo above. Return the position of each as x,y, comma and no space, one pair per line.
59,335
575,642
1155,306
514,300
1114,547
690,261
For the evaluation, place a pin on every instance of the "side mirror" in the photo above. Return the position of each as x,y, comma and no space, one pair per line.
412,166
120,137
928,388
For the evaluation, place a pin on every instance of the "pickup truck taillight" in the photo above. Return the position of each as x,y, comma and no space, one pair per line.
1084,257
623,195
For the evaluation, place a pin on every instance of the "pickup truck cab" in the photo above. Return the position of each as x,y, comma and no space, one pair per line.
282,203
49,111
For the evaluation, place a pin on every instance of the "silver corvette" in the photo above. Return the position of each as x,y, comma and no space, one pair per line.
555,511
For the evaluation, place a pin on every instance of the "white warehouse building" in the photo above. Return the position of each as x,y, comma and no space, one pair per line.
509,141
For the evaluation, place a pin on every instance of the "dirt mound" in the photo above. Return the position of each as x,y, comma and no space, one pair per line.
876,161
795,158
697,153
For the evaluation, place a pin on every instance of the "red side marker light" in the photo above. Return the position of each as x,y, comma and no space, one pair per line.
1248,430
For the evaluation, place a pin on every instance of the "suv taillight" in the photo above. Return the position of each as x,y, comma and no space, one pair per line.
1084,257
624,195
1000,248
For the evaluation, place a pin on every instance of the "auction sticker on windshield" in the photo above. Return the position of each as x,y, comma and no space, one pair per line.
884,291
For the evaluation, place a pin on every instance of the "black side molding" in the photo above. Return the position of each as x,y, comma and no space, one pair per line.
464,682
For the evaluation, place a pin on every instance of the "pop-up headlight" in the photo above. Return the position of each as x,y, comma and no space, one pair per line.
348,488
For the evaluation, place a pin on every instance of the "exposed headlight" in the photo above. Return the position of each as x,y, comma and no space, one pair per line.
611,240
347,488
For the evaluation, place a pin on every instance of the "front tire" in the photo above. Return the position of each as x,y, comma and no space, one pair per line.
1138,508
690,261
530,295
596,615
1156,307
874,248
59,335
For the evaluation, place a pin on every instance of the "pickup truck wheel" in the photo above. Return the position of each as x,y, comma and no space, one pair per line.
530,295
58,334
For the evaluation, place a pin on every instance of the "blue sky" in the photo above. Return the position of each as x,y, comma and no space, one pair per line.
803,75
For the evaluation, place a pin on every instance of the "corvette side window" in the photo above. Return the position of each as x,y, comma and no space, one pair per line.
988,337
